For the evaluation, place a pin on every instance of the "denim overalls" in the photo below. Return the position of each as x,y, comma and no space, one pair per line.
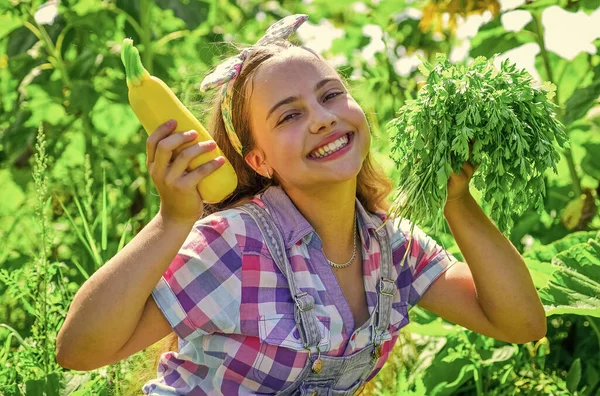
328,375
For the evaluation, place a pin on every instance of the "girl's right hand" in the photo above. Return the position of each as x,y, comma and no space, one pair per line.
180,200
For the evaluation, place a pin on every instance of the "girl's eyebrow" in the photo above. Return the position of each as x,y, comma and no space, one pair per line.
291,99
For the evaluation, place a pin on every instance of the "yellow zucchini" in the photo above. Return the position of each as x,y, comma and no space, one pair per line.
154,103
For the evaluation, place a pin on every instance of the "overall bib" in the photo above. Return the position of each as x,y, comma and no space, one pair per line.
330,375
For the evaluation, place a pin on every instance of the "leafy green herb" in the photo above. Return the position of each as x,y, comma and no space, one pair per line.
493,118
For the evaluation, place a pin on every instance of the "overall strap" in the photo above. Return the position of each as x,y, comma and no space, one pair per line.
386,288
304,315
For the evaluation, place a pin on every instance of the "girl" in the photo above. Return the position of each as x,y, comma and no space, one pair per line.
295,284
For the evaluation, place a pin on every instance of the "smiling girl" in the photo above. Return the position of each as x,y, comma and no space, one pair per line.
295,284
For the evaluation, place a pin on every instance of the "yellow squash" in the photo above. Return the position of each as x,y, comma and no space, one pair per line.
154,103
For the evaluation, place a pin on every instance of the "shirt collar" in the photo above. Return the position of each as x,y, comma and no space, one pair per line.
294,227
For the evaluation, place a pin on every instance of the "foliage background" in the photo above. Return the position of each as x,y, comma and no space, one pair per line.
75,188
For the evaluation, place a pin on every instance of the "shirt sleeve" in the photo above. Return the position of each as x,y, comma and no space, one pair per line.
426,260
200,292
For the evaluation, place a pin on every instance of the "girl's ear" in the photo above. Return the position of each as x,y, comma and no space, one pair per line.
256,160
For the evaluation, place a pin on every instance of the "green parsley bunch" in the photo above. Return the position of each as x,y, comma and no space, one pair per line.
493,118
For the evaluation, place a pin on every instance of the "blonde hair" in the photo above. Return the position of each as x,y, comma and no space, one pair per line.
373,186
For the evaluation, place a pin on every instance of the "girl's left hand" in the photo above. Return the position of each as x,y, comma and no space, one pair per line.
458,185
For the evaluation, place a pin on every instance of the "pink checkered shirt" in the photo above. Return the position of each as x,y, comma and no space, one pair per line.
233,312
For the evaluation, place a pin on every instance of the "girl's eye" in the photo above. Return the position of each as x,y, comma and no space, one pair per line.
333,93
288,117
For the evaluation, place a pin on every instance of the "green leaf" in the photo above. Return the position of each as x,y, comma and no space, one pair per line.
591,161
43,107
83,67
116,121
541,4
12,195
582,100
83,97
48,386
35,387
70,153
501,354
574,74
419,143
8,23
436,328
442,179
550,89
575,286
590,5
86,7
547,252
425,71
19,41
461,117
592,376
499,41
574,376
193,13
445,378
540,272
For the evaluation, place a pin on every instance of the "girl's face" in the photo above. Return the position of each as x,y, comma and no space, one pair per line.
297,104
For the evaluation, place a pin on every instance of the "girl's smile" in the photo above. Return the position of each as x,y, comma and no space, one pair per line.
328,153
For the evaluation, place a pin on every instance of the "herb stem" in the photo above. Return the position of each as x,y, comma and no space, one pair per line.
145,10
573,171
131,20
15,333
540,39
546,59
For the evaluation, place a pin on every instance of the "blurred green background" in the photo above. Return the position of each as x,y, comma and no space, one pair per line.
75,189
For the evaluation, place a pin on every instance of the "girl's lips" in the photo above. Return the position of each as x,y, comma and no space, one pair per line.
338,153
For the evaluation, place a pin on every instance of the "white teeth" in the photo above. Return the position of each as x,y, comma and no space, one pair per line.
331,147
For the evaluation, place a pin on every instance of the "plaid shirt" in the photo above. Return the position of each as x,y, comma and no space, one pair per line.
233,312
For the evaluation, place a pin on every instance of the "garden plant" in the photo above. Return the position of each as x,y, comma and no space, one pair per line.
75,188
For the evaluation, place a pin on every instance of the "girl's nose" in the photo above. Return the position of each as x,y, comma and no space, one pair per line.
322,119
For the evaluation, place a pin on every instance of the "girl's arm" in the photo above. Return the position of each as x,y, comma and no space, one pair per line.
492,293
113,314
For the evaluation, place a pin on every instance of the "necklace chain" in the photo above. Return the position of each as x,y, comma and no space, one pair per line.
347,264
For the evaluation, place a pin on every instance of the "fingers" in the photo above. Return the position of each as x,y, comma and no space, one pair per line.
195,176
183,159
468,169
159,134
164,151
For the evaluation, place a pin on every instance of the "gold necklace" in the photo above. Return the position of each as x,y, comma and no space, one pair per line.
347,264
